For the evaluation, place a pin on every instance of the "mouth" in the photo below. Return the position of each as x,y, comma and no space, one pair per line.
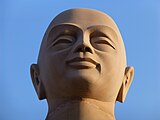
82,63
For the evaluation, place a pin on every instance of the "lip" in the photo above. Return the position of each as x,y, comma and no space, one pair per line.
82,63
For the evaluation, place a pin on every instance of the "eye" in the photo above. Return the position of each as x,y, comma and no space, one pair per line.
64,40
103,40
102,43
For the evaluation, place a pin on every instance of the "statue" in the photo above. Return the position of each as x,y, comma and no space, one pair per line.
81,68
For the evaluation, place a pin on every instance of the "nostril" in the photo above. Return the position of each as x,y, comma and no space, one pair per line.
83,49
80,49
87,49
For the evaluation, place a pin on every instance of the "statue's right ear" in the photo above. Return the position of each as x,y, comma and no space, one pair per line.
37,82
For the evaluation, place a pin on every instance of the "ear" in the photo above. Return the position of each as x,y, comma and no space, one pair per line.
37,82
128,77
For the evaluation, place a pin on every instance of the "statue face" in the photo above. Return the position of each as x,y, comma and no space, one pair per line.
82,56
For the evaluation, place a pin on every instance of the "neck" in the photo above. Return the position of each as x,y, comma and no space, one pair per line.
81,109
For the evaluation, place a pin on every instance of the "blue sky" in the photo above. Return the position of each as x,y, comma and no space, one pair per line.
22,26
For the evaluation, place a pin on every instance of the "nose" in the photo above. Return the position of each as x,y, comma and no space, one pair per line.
83,48
83,44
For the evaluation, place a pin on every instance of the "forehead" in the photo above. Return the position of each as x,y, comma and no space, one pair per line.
84,19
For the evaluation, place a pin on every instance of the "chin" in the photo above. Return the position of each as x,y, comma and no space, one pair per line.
77,83
88,75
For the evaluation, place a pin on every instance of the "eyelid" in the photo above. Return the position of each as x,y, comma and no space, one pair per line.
64,39
102,40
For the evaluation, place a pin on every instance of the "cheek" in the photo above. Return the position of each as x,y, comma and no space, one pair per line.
111,68
52,69
109,62
52,65
111,76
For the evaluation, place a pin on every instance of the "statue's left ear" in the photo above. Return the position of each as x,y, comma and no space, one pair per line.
128,77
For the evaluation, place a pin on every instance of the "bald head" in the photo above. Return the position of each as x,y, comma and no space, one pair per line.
85,19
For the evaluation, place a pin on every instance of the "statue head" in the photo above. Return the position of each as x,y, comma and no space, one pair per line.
82,55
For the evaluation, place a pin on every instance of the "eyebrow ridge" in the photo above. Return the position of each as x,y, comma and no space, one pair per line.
98,34
105,26
66,24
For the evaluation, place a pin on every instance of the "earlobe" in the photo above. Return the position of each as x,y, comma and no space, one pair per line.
128,77
37,83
